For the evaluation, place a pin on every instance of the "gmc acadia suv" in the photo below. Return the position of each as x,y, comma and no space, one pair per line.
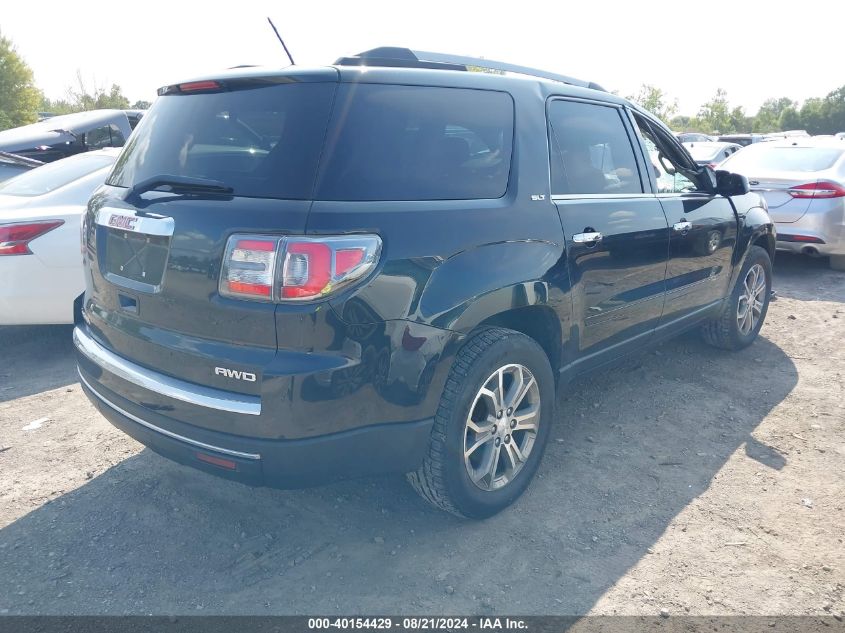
390,264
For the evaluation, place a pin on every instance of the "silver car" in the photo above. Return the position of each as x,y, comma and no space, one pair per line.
712,154
803,182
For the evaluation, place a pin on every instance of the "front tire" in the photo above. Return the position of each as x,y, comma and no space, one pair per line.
745,309
491,427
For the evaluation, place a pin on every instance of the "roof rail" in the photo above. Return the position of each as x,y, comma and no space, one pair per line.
392,56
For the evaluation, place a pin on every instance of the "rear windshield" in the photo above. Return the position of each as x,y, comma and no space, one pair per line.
262,142
759,159
384,142
52,176
392,142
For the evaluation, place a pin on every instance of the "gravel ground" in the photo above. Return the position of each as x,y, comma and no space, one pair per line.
684,479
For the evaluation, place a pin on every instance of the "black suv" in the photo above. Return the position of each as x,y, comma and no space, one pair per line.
390,264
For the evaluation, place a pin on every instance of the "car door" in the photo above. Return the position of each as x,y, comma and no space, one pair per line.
617,237
703,228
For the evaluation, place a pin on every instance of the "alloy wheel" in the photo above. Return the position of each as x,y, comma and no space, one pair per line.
501,427
749,309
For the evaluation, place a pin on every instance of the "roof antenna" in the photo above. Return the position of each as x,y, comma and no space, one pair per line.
276,31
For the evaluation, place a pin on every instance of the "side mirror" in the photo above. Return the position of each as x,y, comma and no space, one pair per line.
729,184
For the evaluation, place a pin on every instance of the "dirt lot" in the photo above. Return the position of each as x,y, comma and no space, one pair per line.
685,479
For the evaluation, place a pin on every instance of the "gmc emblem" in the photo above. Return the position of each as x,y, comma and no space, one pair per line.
234,373
123,222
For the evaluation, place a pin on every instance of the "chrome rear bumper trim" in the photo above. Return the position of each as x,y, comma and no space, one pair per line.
165,385
157,429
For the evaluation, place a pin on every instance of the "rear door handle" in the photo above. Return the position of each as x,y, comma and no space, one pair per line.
587,238
682,227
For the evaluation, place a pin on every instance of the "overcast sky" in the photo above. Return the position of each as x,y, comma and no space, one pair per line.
752,49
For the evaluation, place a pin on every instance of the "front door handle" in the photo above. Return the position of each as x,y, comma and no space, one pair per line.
682,227
591,238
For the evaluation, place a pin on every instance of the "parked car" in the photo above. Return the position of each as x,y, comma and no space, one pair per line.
788,134
711,153
67,134
12,165
449,245
134,117
803,181
695,137
742,139
40,216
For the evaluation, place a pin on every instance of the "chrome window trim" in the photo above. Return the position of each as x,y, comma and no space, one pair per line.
153,427
600,196
198,395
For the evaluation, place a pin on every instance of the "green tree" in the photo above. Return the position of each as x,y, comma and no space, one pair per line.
790,119
81,98
19,98
655,101
97,98
835,111
141,105
813,116
768,116
716,116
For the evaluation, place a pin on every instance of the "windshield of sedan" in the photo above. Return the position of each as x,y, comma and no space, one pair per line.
764,158
47,178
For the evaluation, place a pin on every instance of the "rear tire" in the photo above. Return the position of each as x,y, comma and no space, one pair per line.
837,262
483,452
745,309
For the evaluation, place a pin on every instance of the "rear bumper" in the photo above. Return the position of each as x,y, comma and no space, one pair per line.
818,232
377,449
32,293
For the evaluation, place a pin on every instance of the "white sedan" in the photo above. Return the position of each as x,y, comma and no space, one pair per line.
40,258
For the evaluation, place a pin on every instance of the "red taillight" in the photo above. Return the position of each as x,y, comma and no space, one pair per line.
307,269
15,238
820,189
193,86
271,268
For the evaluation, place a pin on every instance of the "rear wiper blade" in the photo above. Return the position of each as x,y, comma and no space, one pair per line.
178,184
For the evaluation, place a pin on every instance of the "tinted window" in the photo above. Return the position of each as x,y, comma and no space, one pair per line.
592,153
50,177
98,138
117,139
262,142
761,158
390,142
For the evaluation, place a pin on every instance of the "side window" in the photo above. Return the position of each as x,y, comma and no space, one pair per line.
117,139
98,138
669,177
591,150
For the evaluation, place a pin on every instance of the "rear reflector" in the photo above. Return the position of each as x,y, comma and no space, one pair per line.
783,237
268,268
15,238
820,189
228,464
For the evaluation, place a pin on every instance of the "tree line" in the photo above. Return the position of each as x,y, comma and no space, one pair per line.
818,115
21,101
